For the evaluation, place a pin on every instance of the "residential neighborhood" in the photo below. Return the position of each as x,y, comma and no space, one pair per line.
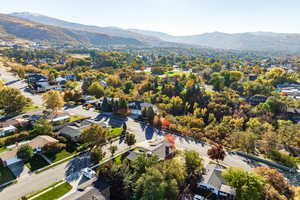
107,113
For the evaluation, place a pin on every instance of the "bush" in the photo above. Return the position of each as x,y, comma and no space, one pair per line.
62,139
53,148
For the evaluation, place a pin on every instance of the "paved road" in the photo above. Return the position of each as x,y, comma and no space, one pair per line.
12,81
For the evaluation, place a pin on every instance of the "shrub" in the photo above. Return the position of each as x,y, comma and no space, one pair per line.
284,159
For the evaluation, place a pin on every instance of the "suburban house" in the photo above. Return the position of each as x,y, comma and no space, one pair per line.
136,108
213,185
7,130
289,89
162,148
10,157
74,131
11,126
257,99
293,114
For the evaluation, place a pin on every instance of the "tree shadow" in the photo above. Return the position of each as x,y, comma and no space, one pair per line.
75,166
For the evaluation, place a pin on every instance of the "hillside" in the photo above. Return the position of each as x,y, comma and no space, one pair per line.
17,28
112,31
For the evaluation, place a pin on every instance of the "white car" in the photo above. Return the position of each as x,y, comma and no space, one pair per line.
88,172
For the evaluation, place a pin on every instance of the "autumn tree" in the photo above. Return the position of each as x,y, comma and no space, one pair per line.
53,100
96,89
12,100
277,188
216,153
94,136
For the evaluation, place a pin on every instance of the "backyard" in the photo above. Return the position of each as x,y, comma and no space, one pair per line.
6,175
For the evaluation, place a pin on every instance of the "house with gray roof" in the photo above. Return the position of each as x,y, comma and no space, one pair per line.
213,184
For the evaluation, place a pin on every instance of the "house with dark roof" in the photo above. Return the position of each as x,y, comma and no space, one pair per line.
213,184
293,114
74,131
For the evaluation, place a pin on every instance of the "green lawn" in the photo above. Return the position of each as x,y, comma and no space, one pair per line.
76,118
115,132
42,190
30,108
36,162
6,175
2,149
59,156
55,193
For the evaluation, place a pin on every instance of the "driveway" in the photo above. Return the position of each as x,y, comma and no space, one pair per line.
19,170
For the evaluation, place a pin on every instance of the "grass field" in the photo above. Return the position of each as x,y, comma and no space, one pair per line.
59,156
55,193
76,118
2,149
36,162
42,190
6,175
115,132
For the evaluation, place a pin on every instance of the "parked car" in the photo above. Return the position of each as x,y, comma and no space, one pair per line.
88,173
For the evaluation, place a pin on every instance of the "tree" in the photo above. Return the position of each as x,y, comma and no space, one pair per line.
43,127
95,136
72,85
245,141
53,148
161,181
53,100
124,130
276,186
113,149
142,162
193,162
130,139
12,100
96,89
25,152
248,185
21,73
97,154
105,106
216,153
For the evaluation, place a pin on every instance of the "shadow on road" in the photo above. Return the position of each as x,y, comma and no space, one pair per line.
75,166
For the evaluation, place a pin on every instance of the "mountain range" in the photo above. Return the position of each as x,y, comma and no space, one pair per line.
36,27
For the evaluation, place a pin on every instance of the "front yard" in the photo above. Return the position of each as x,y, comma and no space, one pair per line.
60,155
56,192
6,175
115,132
36,162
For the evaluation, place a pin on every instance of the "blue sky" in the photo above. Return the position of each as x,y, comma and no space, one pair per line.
177,17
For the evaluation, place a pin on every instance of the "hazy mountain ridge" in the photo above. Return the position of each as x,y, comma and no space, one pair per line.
17,28
266,41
